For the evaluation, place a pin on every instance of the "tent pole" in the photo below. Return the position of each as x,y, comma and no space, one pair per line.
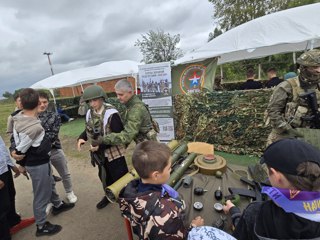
259,71
73,91
221,73
294,57
54,99
135,83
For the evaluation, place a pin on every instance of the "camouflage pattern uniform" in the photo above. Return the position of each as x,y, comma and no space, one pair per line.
137,125
286,108
151,215
112,164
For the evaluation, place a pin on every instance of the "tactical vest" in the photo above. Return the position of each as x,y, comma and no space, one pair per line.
99,125
297,108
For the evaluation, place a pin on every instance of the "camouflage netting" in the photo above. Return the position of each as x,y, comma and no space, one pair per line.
232,120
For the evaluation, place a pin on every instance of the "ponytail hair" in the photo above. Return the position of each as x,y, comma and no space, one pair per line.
308,178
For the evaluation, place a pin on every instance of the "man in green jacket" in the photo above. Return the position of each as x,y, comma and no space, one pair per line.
138,123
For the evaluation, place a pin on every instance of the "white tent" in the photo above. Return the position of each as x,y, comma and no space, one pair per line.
102,72
290,30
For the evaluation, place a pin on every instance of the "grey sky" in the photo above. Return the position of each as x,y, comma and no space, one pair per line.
83,33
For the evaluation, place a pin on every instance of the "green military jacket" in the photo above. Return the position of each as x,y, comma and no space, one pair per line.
286,108
137,125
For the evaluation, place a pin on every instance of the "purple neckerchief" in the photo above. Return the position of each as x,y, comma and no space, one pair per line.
171,192
294,201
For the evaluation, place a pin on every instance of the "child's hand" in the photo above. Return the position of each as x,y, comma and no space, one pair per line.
16,156
16,171
197,222
227,207
94,149
79,143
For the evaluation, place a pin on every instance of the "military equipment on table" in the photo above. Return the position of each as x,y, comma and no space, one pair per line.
180,169
211,165
112,191
234,198
173,144
218,207
198,206
199,191
186,182
314,119
218,194
182,149
254,194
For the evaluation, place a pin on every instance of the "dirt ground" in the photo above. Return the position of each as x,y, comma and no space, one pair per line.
84,221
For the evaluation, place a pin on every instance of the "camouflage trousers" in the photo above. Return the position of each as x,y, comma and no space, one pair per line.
275,136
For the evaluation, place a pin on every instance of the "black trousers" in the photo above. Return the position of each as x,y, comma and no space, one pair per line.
8,215
110,172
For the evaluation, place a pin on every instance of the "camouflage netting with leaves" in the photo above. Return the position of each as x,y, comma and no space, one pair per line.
231,120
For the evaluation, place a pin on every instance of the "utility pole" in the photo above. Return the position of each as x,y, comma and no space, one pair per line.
48,55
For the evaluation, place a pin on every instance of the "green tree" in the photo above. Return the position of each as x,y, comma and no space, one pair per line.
158,46
216,32
230,13
7,94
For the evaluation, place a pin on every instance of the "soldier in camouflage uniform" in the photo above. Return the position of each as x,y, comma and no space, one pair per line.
286,109
153,208
101,120
138,123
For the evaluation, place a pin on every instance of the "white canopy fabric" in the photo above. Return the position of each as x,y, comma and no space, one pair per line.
102,72
291,30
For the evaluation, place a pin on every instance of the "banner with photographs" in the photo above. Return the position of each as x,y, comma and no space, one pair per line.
156,90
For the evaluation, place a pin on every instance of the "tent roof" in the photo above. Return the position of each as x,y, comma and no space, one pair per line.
291,30
102,72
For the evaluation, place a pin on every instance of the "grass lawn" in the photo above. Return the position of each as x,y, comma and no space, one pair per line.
5,110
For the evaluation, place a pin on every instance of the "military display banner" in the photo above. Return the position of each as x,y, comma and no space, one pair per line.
194,77
156,89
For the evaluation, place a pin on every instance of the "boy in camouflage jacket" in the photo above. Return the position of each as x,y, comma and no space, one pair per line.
154,208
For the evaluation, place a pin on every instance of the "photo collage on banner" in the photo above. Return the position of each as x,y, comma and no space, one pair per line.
156,89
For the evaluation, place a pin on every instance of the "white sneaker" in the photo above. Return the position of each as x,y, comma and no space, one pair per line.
71,197
49,208
70,119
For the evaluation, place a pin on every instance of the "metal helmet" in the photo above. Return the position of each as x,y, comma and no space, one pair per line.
306,60
310,58
93,92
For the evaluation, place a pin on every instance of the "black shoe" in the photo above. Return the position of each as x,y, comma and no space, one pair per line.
103,203
48,229
64,207
56,178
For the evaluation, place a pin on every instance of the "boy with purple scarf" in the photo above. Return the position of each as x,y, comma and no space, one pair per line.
153,207
293,211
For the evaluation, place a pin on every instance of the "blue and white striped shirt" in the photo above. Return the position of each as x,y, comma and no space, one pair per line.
5,159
